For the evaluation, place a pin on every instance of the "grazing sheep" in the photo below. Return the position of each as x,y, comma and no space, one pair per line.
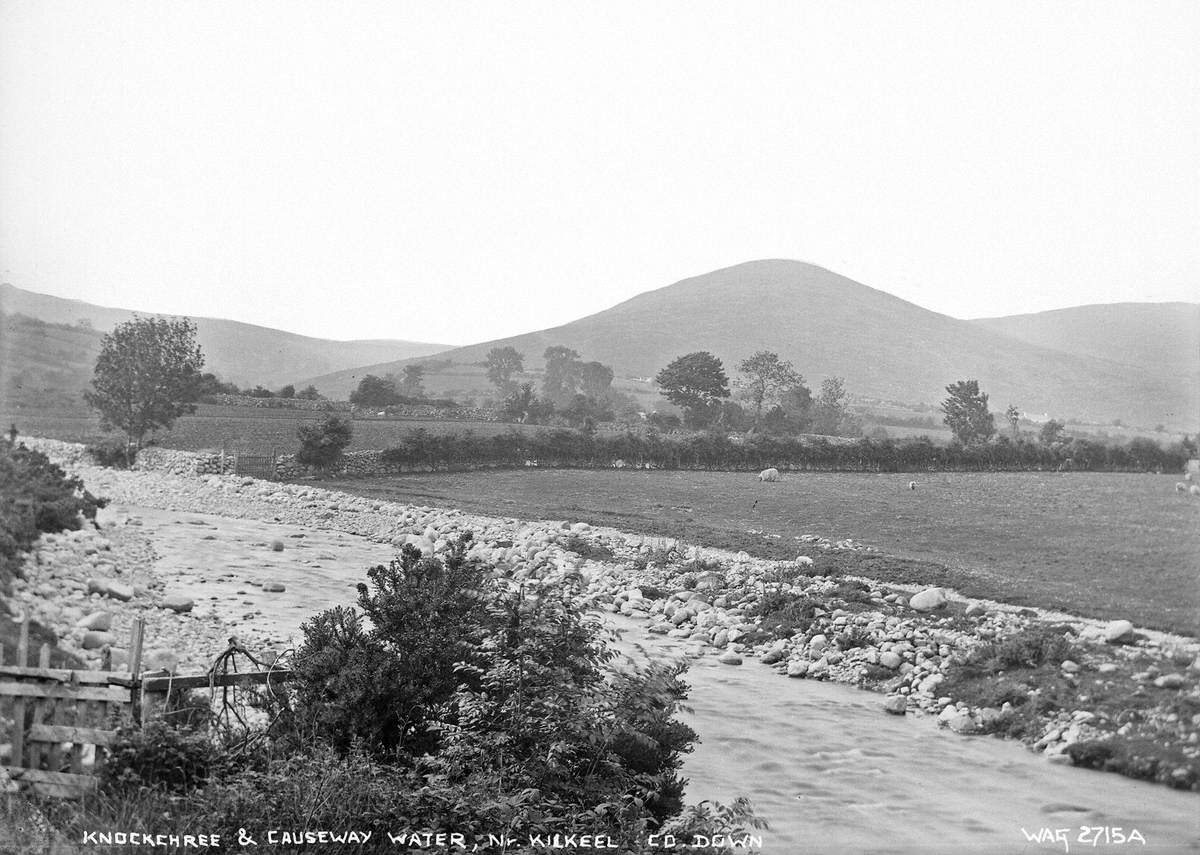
531,463
770,475
1181,487
619,464
912,485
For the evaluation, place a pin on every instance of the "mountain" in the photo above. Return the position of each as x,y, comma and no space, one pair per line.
826,324
1162,338
240,353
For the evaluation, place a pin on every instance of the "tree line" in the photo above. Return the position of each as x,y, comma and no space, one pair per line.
717,451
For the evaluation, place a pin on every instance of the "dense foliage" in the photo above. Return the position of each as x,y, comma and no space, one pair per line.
323,443
36,496
458,701
718,451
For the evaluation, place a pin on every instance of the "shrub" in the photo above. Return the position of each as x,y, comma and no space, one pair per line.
1028,648
36,497
113,453
322,444
159,756
783,613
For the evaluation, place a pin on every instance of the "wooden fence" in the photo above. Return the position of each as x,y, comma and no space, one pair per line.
58,721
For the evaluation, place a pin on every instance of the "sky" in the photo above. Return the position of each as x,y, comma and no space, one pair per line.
457,172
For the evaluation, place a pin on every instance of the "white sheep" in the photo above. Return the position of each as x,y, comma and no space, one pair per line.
531,463
619,464
1181,487
770,475
912,485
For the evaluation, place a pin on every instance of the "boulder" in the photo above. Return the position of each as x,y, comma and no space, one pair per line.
890,659
99,621
797,668
95,639
895,704
1170,681
273,588
178,603
1118,631
729,658
928,600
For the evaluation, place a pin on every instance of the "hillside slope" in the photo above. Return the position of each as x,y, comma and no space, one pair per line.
241,353
1157,337
827,324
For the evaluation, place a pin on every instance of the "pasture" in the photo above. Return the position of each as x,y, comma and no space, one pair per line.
1097,544
247,429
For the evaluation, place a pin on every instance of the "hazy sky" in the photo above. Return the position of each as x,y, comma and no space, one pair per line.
456,172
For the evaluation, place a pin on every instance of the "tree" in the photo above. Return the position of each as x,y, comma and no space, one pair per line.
595,380
261,392
1014,419
146,376
1051,432
562,375
309,393
966,413
831,406
695,382
375,391
766,377
322,443
288,391
501,364
410,383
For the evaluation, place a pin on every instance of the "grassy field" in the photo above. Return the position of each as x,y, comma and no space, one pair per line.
1102,545
246,429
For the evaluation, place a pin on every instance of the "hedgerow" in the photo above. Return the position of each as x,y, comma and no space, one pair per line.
719,451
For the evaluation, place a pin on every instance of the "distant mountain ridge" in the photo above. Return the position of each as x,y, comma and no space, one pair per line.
828,324
1157,337
246,354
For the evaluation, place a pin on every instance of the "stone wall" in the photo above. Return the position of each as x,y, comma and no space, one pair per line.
277,403
155,459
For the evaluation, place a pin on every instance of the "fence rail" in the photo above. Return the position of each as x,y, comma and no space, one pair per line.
58,721
58,718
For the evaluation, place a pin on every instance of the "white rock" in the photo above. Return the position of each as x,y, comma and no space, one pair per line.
928,600
896,704
100,621
1118,630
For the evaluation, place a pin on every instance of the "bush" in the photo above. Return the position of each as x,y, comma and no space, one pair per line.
113,453
159,756
784,614
494,690
36,497
322,444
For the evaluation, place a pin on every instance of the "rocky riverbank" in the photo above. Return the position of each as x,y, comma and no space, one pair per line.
1088,692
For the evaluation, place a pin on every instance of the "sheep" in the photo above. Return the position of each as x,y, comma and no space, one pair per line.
912,485
619,464
1181,487
531,463
769,475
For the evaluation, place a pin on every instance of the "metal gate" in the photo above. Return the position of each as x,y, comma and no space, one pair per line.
255,465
